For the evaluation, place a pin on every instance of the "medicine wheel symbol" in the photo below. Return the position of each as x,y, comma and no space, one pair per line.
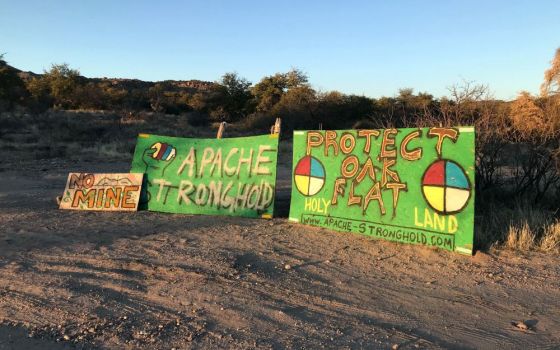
309,176
446,187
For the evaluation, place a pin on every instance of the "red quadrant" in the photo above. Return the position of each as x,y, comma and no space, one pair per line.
304,166
435,174
161,152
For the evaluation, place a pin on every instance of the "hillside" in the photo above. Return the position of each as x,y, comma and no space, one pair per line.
128,84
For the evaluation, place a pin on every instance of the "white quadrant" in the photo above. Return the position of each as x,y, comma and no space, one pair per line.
455,199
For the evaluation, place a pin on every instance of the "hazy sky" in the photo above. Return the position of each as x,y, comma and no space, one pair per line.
362,47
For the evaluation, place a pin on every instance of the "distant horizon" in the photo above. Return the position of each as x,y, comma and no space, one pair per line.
416,92
362,48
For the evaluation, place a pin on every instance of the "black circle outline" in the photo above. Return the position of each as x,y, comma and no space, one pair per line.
324,178
445,186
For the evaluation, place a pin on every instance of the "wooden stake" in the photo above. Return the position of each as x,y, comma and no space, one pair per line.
221,130
275,129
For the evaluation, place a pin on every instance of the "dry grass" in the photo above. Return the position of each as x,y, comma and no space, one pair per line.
89,134
523,237
550,242
525,227
520,237
503,220
112,151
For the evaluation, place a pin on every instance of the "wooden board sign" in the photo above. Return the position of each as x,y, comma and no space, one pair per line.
231,176
107,192
407,185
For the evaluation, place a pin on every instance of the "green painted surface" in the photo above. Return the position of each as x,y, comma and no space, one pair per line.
391,184
233,176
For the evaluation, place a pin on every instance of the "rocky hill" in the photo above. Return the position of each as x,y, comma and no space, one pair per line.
129,84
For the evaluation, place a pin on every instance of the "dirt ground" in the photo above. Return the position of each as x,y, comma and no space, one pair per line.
148,280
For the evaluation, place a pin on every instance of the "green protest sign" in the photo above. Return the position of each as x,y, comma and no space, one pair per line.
406,185
233,176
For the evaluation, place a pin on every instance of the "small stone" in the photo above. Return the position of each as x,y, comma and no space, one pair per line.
287,266
395,347
66,337
91,330
521,325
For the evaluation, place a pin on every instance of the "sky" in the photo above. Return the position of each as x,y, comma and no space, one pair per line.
371,48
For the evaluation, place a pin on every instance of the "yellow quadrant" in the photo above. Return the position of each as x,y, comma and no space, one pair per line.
302,183
455,198
315,185
157,147
434,195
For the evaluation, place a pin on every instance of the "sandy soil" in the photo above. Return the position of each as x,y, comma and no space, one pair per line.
157,281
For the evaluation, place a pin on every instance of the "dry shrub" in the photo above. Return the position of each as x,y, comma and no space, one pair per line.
109,151
526,116
498,224
256,122
550,242
86,134
520,237
364,124
551,83
532,230
517,158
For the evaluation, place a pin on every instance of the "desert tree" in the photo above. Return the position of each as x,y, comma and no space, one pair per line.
57,86
526,115
12,87
551,84
156,94
270,89
235,96
297,107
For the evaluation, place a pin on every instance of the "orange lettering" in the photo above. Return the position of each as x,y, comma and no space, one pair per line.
126,197
314,139
330,137
80,197
347,148
374,194
368,134
387,142
349,161
441,134
416,153
112,198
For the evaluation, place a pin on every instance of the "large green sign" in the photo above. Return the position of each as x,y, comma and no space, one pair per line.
233,176
406,185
